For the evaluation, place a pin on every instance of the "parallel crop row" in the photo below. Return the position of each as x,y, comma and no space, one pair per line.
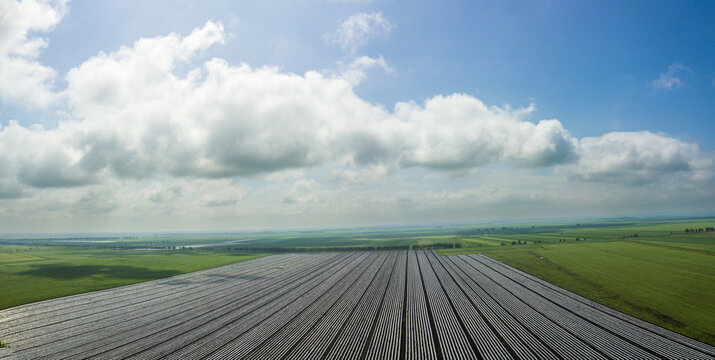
380,305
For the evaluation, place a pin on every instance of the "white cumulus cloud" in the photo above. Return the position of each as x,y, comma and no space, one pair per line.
41,158
459,131
23,80
356,71
637,157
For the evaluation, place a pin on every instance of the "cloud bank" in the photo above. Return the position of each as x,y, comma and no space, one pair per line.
135,118
131,118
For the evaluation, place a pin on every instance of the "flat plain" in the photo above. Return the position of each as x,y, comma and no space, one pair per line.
650,268
36,273
663,278
358,305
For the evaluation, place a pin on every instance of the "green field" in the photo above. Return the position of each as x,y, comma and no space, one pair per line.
40,273
668,280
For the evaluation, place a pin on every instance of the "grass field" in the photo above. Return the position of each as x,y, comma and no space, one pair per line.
40,273
668,280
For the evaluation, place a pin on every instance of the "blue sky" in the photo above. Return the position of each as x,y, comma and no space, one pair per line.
589,64
629,87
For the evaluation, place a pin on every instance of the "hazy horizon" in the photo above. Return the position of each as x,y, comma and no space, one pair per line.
671,215
137,117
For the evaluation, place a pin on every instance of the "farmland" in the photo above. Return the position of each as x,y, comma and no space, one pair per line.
663,275
373,305
35,273
668,280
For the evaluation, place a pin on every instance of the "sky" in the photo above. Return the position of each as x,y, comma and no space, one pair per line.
224,115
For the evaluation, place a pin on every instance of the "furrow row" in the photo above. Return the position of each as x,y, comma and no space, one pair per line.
359,305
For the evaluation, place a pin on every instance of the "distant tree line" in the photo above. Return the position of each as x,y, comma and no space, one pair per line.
699,230
91,238
509,229
351,248
576,239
